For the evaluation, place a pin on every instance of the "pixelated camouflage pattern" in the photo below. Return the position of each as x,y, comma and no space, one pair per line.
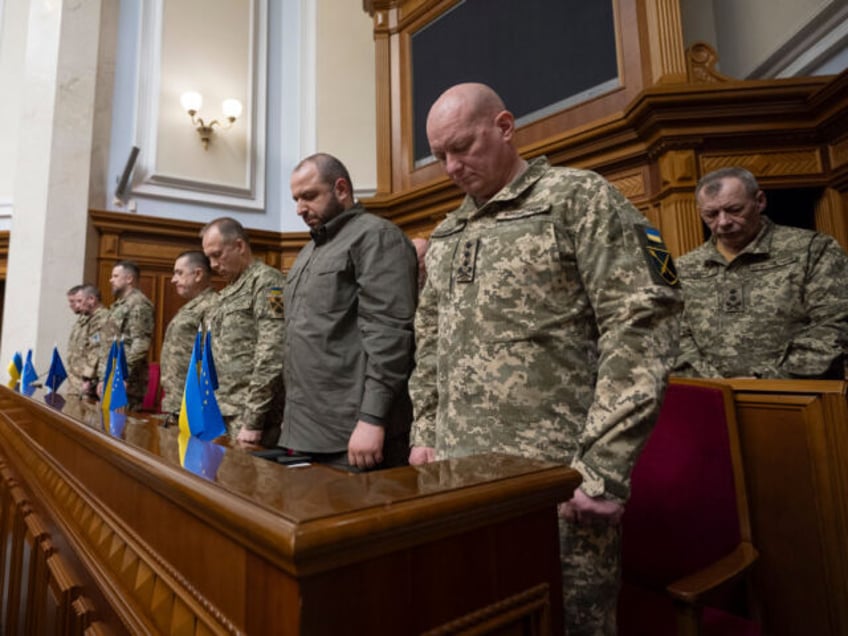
94,336
248,335
541,331
130,318
590,558
75,363
178,343
778,310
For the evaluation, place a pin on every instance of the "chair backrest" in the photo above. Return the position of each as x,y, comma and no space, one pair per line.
688,505
153,397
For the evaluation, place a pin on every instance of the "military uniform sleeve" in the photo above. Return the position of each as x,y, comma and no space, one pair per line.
386,274
422,384
819,349
637,317
267,373
691,362
93,346
140,327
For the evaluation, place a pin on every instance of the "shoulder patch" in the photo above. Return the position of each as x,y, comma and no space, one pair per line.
275,301
657,255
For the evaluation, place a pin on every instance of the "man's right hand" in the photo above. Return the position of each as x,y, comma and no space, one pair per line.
419,455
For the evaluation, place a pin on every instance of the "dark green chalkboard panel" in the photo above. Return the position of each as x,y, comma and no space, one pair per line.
537,54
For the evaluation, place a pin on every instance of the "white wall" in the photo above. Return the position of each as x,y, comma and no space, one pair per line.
13,27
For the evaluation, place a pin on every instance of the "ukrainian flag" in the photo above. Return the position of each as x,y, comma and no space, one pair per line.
16,364
200,415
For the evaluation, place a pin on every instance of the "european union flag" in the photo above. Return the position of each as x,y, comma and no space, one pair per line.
119,389
200,456
29,375
200,414
114,392
16,365
56,374
117,424
208,359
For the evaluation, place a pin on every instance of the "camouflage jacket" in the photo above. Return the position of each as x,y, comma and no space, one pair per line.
75,365
94,337
178,343
350,301
248,332
546,328
131,318
778,310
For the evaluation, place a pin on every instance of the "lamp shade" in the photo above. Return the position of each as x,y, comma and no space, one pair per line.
231,108
191,100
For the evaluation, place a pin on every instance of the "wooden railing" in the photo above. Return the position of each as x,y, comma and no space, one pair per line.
102,530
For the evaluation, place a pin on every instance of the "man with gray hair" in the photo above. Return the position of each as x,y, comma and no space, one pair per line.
248,334
760,299
192,281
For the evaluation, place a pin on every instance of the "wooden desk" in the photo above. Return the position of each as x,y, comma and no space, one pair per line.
794,436
110,534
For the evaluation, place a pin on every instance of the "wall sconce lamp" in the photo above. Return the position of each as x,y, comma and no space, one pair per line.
192,101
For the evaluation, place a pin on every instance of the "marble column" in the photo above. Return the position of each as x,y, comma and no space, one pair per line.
58,133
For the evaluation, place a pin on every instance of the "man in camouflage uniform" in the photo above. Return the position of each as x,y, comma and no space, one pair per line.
76,342
350,301
130,318
248,335
92,338
546,328
760,299
192,274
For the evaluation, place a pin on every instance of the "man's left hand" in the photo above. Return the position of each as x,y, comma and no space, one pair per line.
248,436
365,447
582,508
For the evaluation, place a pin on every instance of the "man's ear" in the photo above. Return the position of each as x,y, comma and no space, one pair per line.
342,189
505,122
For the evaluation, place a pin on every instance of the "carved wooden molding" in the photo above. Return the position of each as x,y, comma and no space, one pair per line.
701,59
149,589
528,610
665,41
767,164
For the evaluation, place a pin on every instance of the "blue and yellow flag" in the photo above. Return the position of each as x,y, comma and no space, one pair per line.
56,374
16,365
119,389
191,410
106,398
29,375
114,390
200,414
200,456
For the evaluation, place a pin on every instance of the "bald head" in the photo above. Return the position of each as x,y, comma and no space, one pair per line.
471,134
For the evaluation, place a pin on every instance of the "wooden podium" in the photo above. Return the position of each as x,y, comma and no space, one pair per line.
118,528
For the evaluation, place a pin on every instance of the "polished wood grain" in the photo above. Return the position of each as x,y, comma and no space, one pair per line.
794,436
257,547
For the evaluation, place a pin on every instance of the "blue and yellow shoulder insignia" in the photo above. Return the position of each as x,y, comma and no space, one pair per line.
657,255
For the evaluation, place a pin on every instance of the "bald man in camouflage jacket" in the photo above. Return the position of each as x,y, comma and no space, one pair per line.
546,328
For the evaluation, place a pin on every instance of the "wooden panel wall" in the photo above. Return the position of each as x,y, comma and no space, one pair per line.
154,244
673,120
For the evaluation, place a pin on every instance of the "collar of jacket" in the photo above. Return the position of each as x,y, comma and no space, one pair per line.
536,169
327,231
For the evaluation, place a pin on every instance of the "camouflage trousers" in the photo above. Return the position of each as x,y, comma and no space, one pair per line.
590,555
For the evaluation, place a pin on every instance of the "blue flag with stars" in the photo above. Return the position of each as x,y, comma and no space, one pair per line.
56,374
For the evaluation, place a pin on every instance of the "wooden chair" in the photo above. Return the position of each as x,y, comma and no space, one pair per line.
686,537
